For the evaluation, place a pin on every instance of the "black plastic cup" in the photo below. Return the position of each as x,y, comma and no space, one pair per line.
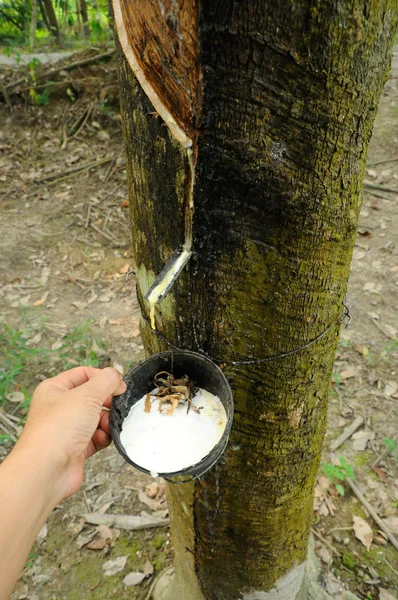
139,380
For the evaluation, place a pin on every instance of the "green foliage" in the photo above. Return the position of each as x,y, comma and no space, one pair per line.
14,19
392,446
41,98
339,489
31,559
12,53
4,438
339,473
20,361
15,16
348,559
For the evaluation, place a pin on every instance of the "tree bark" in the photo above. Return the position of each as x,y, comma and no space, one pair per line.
51,20
33,24
278,102
84,15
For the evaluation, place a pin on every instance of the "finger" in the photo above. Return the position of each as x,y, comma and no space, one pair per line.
104,383
68,380
104,422
101,439
108,402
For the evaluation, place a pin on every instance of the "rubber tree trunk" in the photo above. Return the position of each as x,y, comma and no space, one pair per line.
277,101
52,21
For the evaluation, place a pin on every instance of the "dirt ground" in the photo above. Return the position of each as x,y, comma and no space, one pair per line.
64,242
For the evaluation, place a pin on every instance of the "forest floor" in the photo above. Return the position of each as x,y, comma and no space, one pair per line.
64,300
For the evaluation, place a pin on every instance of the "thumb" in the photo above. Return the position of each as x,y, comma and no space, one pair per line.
104,383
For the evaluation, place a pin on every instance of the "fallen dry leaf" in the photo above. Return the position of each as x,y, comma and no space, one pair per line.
125,269
373,377
111,567
134,578
148,568
373,287
391,388
386,595
84,538
43,532
161,514
361,439
392,524
318,492
381,474
41,300
348,373
323,510
152,504
325,555
162,488
152,488
105,532
115,321
15,397
97,544
102,510
363,531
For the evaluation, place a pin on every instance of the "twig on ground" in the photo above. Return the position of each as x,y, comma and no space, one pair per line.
326,498
109,170
5,95
377,195
86,501
108,214
116,243
7,421
383,330
382,162
58,176
347,433
378,186
111,193
372,513
8,193
74,65
128,522
82,120
325,542
8,432
339,529
50,84
88,216
383,454
106,235
390,565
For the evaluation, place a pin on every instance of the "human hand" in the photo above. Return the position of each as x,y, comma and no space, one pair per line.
67,423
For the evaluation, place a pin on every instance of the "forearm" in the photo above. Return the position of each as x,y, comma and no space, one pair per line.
26,500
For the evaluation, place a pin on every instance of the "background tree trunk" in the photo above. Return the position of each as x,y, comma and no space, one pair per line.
33,24
280,120
51,20
110,14
84,15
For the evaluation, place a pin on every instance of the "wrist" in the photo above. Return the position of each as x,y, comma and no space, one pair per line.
38,471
